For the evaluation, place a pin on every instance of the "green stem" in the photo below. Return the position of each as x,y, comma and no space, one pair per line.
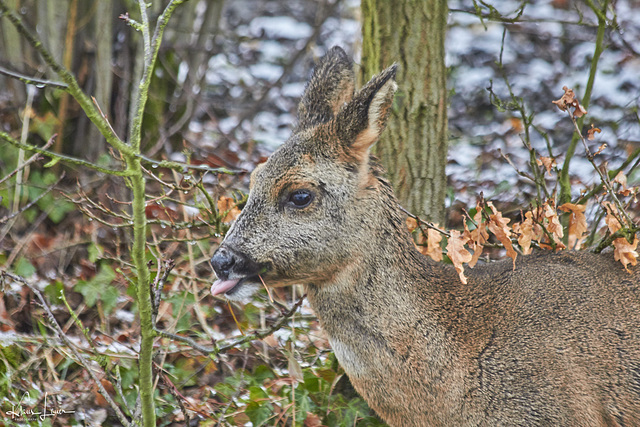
145,309
147,334
150,55
565,183
64,158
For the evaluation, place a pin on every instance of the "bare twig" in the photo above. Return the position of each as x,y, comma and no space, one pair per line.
156,289
603,176
62,157
425,223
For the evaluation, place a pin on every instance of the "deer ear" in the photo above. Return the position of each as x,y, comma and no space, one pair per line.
361,122
331,86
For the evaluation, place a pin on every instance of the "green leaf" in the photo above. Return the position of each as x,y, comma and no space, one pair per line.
95,252
259,413
262,373
52,292
24,268
99,286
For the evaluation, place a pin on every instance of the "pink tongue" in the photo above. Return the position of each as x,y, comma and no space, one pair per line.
222,286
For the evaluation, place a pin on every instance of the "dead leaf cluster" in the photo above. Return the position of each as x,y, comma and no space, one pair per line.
540,227
569,100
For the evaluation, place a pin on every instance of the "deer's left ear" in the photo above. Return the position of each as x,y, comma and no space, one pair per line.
361,122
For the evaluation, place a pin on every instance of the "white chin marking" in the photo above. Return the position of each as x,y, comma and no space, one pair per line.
242,292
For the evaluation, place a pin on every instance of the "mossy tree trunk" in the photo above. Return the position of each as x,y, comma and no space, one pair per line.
414,147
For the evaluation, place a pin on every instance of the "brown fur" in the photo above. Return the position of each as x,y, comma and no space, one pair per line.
553,342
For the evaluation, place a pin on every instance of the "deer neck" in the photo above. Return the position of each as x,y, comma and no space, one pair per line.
373,308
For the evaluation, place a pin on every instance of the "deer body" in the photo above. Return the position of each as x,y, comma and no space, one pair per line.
553,341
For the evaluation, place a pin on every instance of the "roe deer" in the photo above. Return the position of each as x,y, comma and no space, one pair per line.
554,341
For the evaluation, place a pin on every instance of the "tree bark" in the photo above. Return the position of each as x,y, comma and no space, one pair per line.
414,147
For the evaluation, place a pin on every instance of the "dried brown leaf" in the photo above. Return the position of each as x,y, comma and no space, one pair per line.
579,110
600,149
433,244
553,224
526,234
412,224
227,207
548,162
610,219
478,236
621,179
498,226
591,133
569,100
625,252
577,223
458,254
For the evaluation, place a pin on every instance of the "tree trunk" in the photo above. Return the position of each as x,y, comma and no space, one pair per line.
414,147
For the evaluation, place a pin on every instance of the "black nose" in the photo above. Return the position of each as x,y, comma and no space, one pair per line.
222,262
226,261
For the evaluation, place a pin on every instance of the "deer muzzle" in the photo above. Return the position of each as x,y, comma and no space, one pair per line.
232,268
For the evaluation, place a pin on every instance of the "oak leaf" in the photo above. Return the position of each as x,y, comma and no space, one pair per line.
553,224
498,226
600,149
527,231
625,252
458,254
621,179
577,223
548,162
610,219
412,224
478,236
434,237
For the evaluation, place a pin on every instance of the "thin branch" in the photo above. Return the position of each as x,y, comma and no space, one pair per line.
565,184
151,48
425,223
61,157
603,177
181,167
32,80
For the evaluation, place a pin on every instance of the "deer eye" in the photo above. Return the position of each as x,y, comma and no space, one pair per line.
300,198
